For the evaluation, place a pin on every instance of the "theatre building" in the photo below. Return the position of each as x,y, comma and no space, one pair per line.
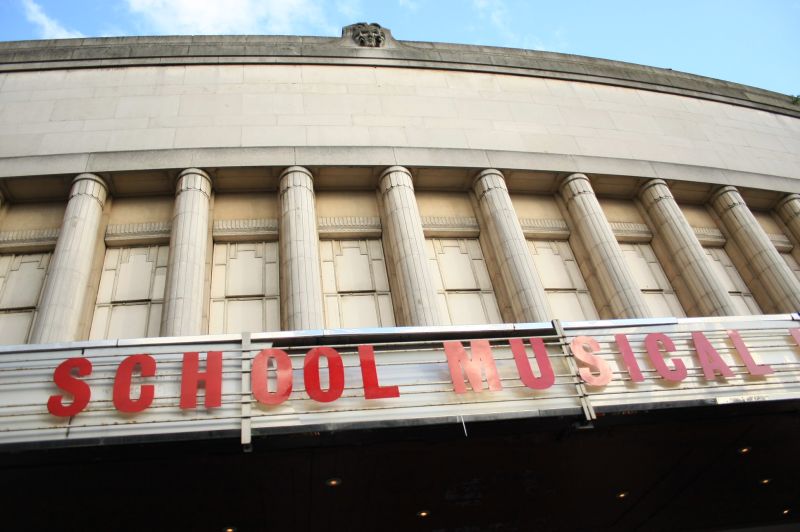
358,283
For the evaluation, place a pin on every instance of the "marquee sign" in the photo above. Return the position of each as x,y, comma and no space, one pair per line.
162,387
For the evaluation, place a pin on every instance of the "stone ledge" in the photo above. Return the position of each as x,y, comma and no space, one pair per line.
245,229
28,241
709,236
258,49
450,227
631,232
349,227
138,234
544,229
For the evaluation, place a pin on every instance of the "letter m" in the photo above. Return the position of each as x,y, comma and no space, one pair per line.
481,362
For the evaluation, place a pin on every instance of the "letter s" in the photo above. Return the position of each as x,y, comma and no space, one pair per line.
80,391
584,349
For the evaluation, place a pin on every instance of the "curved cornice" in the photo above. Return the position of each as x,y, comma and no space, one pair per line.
258,49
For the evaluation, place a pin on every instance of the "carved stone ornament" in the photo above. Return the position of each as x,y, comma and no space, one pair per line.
368,35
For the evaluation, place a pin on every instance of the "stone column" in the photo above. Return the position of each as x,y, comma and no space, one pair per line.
764,261
65,291
789,211
615,278
704,289
514,259
188,249
404,243
301,281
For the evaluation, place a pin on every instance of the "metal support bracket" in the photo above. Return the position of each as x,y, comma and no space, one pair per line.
583,396
246,394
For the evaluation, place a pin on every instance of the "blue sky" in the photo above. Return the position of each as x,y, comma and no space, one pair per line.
747,41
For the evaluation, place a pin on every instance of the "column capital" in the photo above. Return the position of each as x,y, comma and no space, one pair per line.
89,185
395,176
563,181
653,191
725,198
650,183
721,191
573,185
783,202
487,180
295,170
295,176
193,179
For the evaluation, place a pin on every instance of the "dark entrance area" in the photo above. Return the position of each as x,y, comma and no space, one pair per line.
715,468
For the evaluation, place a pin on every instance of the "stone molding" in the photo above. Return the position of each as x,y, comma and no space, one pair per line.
710,236
544,228
109,52
450,227
631,232
245,229
781,242
349,227
28,240
109,163
137,234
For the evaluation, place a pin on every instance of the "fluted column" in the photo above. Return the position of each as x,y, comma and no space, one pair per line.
188,248
789,211
616,280
764,261
404,243
514,259
301,283
65,290
701,284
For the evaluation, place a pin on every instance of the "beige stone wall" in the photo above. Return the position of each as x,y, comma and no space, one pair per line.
157,108
26,216
768,223
141,210
698,216
536,207
252,206
624,211
332,204
444,204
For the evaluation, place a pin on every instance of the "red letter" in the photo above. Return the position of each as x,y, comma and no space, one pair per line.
80,391
795,334
369,375
191,377
652,342
524,367
709,358
482,361
335,374
579,349
627,357
260,381
744,353
122,384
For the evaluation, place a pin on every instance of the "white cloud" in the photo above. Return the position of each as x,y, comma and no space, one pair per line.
48,28
411,5
203,17
497,13
349,8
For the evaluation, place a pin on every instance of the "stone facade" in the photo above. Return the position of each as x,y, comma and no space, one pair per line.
255,193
